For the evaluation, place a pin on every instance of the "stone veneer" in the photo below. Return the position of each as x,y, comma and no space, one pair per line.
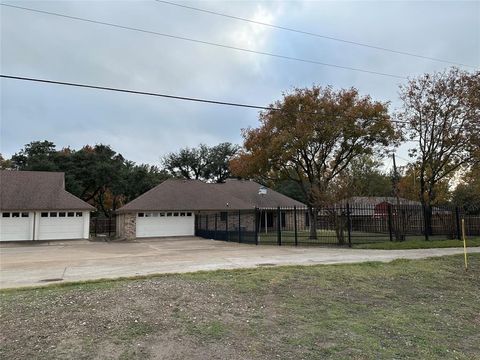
127,226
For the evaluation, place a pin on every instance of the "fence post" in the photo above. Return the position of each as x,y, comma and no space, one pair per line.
279,225
389,208
226,227
195,219
256,225
215,233
349,226
295,224
457,220
239,227
425,222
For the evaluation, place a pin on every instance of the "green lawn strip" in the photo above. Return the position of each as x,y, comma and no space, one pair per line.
363,240
426,309
418,244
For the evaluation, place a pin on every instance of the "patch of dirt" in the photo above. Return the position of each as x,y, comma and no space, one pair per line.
351,311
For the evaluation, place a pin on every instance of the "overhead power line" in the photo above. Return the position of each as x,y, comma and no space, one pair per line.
402,158
168,96
303,32
279,56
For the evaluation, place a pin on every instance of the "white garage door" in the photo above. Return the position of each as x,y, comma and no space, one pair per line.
16,226
175,223
56,225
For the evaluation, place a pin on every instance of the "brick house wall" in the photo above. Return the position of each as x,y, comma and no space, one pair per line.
126,226
206,220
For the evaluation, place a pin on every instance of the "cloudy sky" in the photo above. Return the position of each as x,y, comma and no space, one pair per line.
144,128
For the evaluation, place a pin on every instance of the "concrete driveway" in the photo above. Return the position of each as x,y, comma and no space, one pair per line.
36,264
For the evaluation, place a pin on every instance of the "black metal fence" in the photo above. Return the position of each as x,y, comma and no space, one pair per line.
102,226
338,225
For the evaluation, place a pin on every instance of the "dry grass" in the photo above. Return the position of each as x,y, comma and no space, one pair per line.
426,309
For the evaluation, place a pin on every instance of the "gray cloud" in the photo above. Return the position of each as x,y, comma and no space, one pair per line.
143,128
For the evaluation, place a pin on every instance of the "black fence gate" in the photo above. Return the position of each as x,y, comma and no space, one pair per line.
102,226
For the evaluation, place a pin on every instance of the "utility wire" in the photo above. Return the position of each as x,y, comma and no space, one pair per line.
168,96
279,56
402,158
312,34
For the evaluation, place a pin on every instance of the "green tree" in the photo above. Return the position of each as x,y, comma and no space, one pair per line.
218,162
289,188
5,164
310,137
187,163
96,174
201,163
467,193
363,177
37,155
138,179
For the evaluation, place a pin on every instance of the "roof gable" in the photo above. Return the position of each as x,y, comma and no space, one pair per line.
37,190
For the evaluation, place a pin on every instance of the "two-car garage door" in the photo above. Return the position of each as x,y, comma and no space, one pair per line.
174,223
43,225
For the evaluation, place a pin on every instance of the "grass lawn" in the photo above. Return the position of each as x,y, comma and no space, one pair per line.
422,309
324,237
363,240
417,244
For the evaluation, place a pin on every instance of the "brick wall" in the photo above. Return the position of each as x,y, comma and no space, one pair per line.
247,220
126,226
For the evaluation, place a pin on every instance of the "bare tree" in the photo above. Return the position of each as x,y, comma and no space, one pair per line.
442,115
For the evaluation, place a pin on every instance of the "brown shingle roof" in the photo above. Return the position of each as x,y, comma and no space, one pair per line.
197,195
375,200
37,190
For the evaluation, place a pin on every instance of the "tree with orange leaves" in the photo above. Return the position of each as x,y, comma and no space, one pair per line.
310,137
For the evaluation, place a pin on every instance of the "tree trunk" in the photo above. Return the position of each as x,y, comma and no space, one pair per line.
312,215
426,200
428,220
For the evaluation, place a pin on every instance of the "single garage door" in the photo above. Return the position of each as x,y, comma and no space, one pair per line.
16,226
56,225
175,223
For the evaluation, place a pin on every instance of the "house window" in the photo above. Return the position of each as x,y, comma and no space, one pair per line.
175,214
24,214
61,214
182,214
161,214
78,214
5,214
71,214
15,214
148,215
53,214
44,214
169,214
268,216
141,214
223,216
189,214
